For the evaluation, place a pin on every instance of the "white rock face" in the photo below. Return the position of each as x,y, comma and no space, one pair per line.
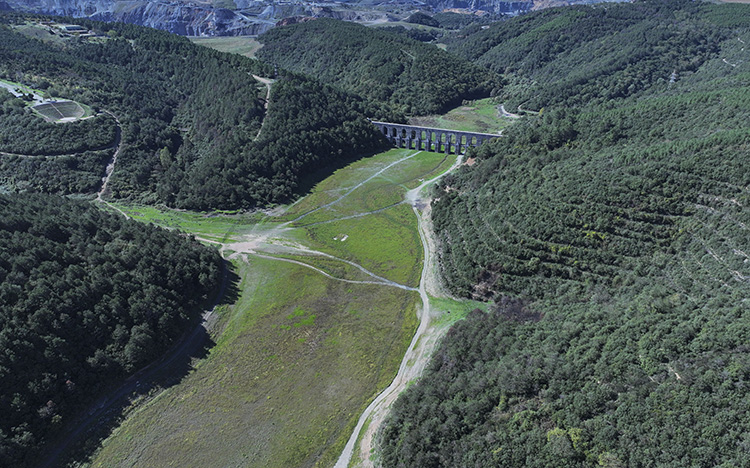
188,19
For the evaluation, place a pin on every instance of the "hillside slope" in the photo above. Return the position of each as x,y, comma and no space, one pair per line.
418,78
188,115
618,218
86,298
579,54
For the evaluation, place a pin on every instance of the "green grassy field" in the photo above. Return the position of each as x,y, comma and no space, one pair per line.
285,382
386,243
299,355
219,227
453,310
332,266
477,116
385,188
243,45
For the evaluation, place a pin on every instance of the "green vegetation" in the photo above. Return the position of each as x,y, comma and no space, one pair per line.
455,310
599,53
23,132
386,243
333,266
417,78
190,118
243,45
293,337
399,177
213,226
86,297
472,116
69,174
340,342
368,224
449,20
618,215
421,18
286,380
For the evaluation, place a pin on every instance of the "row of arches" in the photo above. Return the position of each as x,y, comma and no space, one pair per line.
431,139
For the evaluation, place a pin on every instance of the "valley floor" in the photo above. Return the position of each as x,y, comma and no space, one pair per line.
331,292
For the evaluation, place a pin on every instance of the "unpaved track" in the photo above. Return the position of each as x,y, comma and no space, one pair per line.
268,82
265,240
348,192
111,166
420,349
307,265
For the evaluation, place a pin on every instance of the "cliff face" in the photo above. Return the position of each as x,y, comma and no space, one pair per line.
177,17
253,17
493,6
508,7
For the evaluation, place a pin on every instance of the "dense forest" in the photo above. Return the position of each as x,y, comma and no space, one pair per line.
417,78
573,56
188,114
309,127
610,229
86,297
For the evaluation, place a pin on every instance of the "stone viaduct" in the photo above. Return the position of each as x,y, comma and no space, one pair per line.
431,139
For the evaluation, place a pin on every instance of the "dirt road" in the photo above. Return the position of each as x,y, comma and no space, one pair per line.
111,166
420,349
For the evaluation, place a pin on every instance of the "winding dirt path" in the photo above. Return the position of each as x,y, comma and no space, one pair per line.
504,113
297,262
259,244
420,349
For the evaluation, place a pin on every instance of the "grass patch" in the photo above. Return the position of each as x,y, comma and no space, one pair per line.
454,310
345,179
425,165
333,267
285,382
299,356
377,194
386,243
243,45
217,226
475,116
384,190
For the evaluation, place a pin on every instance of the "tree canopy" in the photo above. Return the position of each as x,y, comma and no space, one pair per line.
86,297
188,115
609,228
417,78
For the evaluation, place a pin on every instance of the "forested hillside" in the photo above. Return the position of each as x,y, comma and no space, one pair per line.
188,114
575,55
611,230
417,78
86,297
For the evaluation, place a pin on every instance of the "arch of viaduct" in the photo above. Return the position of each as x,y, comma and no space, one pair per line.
431,139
